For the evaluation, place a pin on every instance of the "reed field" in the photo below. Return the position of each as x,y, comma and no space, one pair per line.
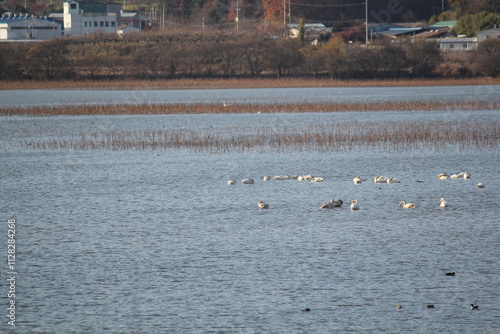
214,83
219,108
342,136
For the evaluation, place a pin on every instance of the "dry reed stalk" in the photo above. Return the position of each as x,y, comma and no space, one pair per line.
209,83
166,109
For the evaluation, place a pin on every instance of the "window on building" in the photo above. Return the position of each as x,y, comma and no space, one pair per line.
113,23
85,23
465,46
101,24
73,6
107,23
452,46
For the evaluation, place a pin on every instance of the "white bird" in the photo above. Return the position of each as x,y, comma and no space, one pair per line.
480,185
300,178
281,177
442,203
407,205
317,179
442,176
332,204
466,175
308,177
354,205
262,205
247,181
380,179
266,178
357,180
393,180
231,182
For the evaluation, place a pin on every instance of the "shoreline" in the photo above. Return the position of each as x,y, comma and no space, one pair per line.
245,83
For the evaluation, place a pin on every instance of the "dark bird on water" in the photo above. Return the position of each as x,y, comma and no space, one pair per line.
450,274
306,309
474,307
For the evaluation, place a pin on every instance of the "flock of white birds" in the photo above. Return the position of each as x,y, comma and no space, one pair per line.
357,180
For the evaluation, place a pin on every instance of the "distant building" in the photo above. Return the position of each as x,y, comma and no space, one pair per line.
133,19
312,31
444,24
489,33
457,44
85,17
24,27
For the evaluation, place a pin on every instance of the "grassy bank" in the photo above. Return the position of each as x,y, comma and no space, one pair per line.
238,83
166,109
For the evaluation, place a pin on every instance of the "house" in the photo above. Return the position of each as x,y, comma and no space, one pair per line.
457,44
85,17
312,31
133,19
26,27
444,24
381,30
489,33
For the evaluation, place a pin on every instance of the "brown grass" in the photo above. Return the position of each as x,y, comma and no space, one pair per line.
159,109
239,83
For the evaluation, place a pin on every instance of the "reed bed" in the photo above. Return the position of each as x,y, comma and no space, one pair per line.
219,108
387,136
215,83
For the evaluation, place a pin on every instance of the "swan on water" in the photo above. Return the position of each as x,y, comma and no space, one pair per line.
281,177
380,179
332,204
407,205
266,178
480,185
442,176
248,180
231,182
357,180
262,205
442,203
393,180
317,179
354,205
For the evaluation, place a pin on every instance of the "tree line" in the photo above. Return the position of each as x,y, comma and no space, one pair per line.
160,55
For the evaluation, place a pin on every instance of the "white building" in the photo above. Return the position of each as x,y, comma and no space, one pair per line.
489,33
24,27
81,18
457,44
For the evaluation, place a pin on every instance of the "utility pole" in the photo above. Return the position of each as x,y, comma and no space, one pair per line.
289,13
284,18
237,15
366,21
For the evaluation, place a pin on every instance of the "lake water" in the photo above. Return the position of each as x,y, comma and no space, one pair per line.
156,241
26,98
